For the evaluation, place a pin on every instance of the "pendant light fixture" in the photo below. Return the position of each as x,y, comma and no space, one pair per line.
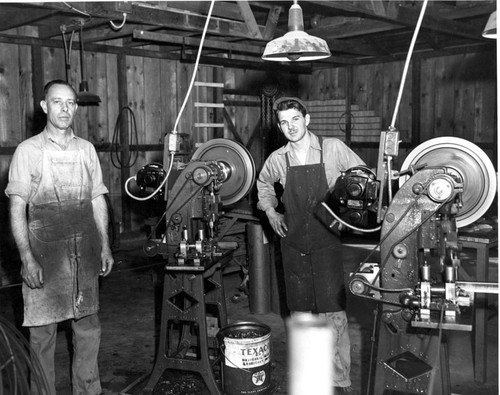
490,30
296,45
85,98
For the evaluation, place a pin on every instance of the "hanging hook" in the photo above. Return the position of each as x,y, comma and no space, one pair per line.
115,27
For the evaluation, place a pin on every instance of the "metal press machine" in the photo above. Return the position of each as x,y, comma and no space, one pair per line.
444,184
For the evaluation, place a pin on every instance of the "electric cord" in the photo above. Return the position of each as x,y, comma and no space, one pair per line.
115,152
337,218
197,62
118,27
67,51
407,64
142,199
76,9
205,28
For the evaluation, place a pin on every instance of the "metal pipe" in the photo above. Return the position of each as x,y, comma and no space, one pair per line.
478,287
258,270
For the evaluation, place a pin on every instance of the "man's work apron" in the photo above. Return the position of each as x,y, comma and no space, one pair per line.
312,254
64,240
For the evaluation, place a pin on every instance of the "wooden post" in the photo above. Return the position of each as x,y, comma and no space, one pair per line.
124,133
348,100
38,84
415,105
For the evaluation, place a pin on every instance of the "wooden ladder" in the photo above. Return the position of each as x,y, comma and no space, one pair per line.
209,108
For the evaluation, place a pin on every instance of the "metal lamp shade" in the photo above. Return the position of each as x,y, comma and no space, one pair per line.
85,97
296,45
490,30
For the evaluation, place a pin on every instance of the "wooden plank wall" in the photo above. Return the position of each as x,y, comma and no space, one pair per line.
243,108
457,97
155,91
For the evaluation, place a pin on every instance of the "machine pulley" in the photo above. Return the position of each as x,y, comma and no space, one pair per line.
220,173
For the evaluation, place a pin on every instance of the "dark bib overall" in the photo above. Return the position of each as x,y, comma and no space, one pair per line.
312,254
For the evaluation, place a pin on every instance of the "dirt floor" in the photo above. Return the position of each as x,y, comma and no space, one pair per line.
130,309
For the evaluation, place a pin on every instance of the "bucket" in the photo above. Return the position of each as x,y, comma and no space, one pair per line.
246,358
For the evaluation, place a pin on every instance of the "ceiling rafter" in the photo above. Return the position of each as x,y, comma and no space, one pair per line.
406,16
171,18
249,19
356,31
20,19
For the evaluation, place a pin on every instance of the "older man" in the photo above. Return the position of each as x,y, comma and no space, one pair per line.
63,240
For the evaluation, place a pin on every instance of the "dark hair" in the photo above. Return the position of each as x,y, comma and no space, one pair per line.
286,103
50,84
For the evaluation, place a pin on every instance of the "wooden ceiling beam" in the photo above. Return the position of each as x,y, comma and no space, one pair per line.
441,25
340,27
195,42
222,9
46,32
272,22
406,16
21,19
249,19
353,46
465,9
104,34
145,13
378,7
290,67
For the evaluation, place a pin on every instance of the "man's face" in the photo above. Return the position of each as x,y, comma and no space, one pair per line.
293,124
60,106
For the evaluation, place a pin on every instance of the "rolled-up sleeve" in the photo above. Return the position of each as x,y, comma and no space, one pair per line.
98,187
20,174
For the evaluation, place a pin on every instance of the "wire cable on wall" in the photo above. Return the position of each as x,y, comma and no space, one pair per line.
116,160
67,51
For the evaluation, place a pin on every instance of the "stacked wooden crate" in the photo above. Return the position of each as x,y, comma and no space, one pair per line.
329,117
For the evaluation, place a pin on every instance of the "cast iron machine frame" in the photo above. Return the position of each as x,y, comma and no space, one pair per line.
219,173
445,183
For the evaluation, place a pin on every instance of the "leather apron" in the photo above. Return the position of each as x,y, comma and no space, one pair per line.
64,240
312,254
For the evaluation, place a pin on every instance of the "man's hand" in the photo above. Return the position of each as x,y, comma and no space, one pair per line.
277,222
107,261
32,272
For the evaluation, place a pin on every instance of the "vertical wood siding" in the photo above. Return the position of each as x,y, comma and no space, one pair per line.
458,98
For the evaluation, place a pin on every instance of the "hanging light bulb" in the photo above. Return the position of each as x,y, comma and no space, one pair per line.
296,45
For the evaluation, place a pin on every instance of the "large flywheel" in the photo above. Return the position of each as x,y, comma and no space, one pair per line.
471,162
235,157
